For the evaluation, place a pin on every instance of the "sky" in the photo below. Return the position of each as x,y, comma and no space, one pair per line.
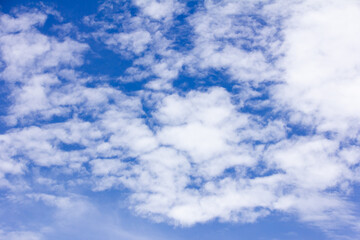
174,119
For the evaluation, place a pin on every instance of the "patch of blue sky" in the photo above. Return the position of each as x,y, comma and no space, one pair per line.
5,103
203,80
104,65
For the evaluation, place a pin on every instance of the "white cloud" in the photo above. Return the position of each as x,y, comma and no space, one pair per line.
27,54
133,41
224,33
106,166
23,21
141,38
203,138
322,66
67,207
159,9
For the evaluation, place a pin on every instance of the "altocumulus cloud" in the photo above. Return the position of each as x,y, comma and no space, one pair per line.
218,110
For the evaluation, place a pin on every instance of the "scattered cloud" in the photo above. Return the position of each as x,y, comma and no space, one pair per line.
276,131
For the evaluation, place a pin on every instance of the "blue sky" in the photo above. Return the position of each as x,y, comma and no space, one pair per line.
152,119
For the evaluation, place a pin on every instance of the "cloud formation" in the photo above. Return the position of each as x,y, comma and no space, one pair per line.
264,120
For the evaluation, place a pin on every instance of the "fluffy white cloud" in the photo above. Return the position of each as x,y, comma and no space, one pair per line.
235,36
198,137
159,9
26,51
27,54
322,66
